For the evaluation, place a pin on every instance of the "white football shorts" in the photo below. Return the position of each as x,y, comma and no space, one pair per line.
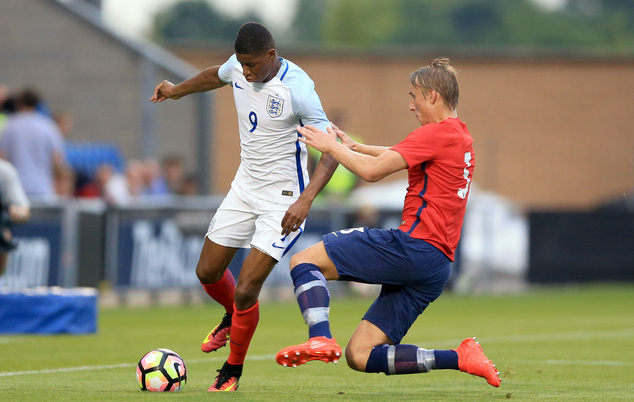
245,222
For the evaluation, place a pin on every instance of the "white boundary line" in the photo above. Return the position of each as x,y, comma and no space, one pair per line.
579,362
67,369
119,365
562,336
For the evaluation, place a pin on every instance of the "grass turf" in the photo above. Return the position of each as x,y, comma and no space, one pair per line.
563,343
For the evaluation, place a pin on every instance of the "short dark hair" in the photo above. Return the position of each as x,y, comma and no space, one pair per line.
253,38
28,98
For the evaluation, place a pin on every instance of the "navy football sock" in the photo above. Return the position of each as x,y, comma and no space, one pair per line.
446,359
409,359
313,298
377,362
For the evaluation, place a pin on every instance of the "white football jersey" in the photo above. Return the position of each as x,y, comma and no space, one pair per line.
273,161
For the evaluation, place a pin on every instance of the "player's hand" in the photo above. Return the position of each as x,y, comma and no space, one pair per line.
316,138
163,91
345,138
295,216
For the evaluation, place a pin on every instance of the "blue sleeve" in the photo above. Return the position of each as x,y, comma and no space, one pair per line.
305,101
224,73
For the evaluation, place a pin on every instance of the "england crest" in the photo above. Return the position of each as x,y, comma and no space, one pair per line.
274,106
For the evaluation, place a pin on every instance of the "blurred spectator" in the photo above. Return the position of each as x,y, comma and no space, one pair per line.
14,209
65,122
190,185
174,172
85,187
113,185
122,189
153,180
65,181
72,181
66,178
43,108
33,144
4,113
134,173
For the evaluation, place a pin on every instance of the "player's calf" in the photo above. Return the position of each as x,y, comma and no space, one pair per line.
409,359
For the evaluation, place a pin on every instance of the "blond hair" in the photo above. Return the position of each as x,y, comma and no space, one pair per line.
439,76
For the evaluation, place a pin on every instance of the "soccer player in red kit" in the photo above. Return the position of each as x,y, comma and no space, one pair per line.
411,262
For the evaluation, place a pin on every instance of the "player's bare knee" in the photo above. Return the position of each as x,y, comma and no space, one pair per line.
296,259
201,274
246,295
207,275
356,360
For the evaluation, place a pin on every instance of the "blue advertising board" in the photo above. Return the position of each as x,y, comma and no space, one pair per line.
37,260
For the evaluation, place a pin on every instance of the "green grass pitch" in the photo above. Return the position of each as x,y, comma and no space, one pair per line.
563,343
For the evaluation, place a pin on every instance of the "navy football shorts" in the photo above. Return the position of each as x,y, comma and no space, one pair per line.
413,273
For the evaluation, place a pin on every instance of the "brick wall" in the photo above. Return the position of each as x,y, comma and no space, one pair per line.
548,133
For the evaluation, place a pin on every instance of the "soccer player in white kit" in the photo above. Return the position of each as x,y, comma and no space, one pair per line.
271,193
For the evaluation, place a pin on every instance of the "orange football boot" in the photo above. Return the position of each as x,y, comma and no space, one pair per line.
472,360
224,382
316,348
218,336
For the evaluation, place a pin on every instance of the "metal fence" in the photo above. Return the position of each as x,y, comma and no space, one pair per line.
149,245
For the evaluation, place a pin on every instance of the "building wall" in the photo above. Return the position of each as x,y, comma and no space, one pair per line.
88,72
548,133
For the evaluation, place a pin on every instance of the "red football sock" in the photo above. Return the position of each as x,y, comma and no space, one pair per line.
223,291
243,326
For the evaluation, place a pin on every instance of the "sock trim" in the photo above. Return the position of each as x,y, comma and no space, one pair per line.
391,352
315,315
309,285
247,311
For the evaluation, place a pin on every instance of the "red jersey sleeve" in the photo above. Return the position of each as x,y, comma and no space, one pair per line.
419,146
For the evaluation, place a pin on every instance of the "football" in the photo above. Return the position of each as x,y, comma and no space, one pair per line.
161,370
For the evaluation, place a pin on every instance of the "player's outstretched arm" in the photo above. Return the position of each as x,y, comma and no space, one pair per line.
372,150
297,213
366,166
206,80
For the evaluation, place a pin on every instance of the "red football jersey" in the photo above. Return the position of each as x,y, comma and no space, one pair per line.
441,161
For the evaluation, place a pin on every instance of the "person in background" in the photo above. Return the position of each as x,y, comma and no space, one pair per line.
154,184
173,172
66,179
34,145
14,209
65,183
65,123
134,172
4,112
113,186
190,185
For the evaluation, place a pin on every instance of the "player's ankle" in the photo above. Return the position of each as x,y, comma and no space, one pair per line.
234,370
